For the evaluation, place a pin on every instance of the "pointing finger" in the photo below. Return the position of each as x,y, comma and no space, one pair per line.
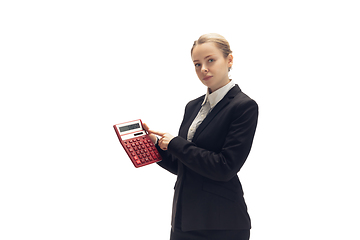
156,132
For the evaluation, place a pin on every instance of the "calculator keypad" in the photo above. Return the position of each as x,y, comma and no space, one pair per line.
142,151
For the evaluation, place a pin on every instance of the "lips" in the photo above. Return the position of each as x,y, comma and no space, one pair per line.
207,78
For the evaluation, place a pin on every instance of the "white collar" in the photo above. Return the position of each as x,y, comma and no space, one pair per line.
215,97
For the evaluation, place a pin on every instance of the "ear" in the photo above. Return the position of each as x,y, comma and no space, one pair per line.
230,60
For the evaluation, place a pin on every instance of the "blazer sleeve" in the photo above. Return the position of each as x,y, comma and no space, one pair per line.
168,162
223,165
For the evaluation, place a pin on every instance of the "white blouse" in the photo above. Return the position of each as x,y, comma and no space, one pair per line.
210,101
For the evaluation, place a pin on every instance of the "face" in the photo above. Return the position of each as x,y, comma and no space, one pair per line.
210,65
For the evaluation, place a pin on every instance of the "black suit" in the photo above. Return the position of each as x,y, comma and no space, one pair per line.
208,191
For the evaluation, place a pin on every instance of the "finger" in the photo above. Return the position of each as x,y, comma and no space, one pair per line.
153,138
156,132
146,128
162,145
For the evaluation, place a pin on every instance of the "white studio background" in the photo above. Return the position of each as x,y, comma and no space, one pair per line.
69,70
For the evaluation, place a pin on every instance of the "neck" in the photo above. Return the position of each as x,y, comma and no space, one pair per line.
216,88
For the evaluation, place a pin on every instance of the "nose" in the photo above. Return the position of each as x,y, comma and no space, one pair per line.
204,69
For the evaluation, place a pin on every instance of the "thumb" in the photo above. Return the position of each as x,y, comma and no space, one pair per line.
146,128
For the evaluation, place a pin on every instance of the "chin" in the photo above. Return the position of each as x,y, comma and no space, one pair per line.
207,85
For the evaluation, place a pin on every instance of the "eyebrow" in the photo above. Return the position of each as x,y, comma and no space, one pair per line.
204,58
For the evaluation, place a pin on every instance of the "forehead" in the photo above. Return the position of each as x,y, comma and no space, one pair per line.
203,50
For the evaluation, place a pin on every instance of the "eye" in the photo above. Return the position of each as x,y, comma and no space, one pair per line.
211,60
197,64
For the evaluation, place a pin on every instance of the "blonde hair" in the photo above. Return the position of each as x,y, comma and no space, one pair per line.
219,41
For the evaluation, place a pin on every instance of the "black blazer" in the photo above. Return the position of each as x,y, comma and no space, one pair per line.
207,186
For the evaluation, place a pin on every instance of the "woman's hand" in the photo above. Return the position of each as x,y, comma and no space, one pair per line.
164,140
152,136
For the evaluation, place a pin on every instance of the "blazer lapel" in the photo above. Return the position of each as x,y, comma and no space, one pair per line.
225,101
185,128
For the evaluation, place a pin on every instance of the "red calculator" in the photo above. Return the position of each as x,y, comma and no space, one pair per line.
137,143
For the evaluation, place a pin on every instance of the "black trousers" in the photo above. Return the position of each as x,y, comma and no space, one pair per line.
177,234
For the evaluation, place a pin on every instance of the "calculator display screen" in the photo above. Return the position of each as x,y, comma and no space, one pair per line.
129,127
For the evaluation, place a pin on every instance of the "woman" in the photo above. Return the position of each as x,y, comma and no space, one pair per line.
214,140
